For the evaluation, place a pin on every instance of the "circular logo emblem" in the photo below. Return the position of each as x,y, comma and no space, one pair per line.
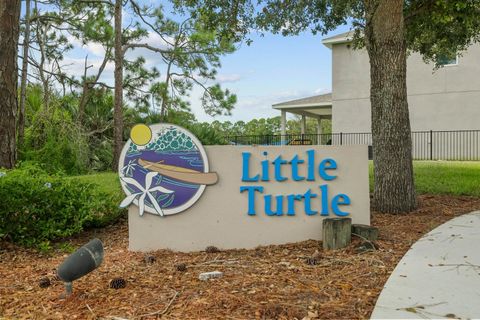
163,169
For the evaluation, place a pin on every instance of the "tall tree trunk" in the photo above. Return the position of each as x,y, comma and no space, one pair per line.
85,94
89,84
23,84
118,112
163,110
41,34
9,31
394,189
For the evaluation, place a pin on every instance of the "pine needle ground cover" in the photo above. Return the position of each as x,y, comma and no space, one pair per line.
272,282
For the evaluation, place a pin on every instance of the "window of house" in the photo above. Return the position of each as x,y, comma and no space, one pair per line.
447,60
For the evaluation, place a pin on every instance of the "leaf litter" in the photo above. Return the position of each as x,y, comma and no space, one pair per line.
291,281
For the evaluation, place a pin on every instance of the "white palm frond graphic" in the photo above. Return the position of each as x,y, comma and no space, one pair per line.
145,192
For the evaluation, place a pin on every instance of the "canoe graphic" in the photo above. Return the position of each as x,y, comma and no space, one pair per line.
180,173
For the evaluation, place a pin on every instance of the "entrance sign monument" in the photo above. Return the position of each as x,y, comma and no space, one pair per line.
183,196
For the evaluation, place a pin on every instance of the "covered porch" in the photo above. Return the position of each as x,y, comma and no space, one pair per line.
317,107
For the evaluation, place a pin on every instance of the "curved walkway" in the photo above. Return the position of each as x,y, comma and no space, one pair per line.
439,277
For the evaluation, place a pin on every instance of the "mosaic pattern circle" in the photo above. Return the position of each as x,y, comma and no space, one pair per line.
163,169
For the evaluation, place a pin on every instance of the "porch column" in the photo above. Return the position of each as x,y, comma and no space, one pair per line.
319,125
319,130
303,124
283,124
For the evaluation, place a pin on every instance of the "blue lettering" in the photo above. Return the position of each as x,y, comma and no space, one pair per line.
324,191
278,168
251,197
327,164
308,208
311,165
246,168
268,205
291,203
295,162
340,200
265,173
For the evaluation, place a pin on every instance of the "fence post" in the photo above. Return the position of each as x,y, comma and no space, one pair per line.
431,145
341,138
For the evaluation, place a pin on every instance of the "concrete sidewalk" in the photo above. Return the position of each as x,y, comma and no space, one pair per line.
439,277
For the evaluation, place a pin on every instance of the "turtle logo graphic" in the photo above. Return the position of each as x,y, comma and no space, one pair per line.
163,169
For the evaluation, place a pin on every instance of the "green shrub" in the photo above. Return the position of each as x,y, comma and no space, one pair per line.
36,208
57,142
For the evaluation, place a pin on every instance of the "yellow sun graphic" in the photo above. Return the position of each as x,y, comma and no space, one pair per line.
141,134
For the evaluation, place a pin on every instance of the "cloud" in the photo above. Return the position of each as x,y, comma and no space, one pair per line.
96,48
322,91
152,58
254,106
76,66
90,48
228,77
75,62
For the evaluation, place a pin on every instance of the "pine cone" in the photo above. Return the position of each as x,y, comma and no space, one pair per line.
314,259
317,255
118,283
44,282
212,249
181,267
311,261
149,259
56,278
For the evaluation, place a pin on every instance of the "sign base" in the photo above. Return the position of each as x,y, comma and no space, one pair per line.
220,217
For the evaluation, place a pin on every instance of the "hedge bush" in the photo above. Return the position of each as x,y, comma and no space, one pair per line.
36,207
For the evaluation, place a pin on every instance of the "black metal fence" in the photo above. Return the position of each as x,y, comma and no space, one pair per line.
426,145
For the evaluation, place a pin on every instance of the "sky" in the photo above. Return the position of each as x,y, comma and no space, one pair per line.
272,69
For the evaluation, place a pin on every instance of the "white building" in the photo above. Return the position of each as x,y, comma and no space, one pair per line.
443,99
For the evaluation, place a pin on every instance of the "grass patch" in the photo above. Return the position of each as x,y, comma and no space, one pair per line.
107,182
444,177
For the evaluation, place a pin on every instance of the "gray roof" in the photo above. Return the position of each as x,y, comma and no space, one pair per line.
339,38
322,99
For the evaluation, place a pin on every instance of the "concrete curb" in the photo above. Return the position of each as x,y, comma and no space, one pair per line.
439,277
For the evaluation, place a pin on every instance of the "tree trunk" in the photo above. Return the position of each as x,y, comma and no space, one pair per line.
23,84
118,112
41,36
394,189
9,31
89,85
163,110
83,97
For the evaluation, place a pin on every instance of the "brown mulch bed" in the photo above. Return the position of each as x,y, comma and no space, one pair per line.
272,282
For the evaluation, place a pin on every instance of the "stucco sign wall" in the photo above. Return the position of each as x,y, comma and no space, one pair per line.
236,196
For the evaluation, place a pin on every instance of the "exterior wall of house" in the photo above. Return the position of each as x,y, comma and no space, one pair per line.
443,99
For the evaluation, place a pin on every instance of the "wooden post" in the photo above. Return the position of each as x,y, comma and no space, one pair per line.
365,232
337,233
